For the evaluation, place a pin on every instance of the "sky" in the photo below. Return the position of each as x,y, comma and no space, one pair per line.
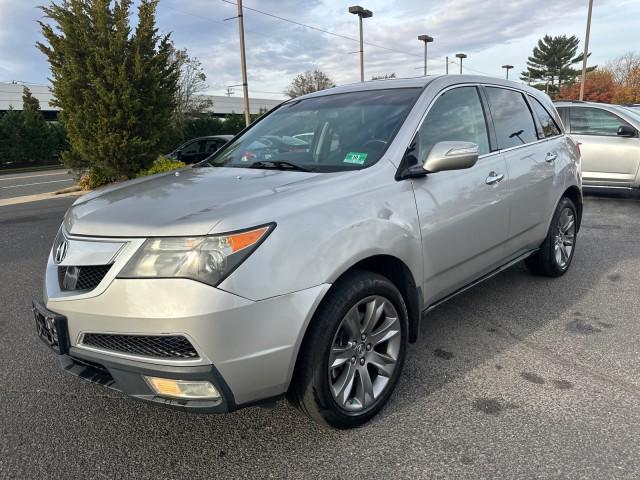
491,32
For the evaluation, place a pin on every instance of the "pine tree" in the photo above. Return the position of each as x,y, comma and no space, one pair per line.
115,87
553,59
35,140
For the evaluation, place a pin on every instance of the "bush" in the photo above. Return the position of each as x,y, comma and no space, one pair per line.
93,178
162,164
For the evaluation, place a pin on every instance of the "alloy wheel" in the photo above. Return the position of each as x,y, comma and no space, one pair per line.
364,353
565,237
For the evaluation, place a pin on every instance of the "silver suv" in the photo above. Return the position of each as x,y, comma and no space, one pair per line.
300,265
609,141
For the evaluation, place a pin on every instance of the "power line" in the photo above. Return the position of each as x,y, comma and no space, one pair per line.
322,30
339,35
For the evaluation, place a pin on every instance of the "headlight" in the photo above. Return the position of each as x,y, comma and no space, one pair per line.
207,259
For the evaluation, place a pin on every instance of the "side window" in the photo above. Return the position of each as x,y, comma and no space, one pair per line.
511,117
548,124
191,148
212,146
455,116
594,121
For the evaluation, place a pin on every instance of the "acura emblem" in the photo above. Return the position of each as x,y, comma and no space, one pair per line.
61,250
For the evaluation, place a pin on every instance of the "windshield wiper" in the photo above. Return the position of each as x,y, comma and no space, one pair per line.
278,164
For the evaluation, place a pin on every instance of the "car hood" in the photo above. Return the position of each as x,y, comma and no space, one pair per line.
191,201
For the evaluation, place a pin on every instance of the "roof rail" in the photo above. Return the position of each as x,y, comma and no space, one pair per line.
569,101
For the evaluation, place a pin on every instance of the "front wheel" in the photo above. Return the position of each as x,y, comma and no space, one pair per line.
556,252
353,354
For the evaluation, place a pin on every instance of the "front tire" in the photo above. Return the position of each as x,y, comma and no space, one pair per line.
353,354
556,252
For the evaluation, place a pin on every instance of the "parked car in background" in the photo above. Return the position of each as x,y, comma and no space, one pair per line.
199,148
304,268
609,142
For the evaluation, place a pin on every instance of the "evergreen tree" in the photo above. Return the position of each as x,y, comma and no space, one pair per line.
116,88
34,144
552,60
11,137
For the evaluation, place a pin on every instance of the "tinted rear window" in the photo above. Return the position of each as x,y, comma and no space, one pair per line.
511,117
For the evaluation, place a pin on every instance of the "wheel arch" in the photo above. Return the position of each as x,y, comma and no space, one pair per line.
396,271
575,194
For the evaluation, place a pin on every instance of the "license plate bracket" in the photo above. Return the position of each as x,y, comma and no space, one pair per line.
51,328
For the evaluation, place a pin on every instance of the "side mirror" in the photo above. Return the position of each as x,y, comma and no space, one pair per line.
451,156
626,131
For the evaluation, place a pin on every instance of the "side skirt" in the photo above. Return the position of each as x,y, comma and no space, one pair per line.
489,275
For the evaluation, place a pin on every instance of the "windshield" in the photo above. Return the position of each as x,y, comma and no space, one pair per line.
634,111
331,133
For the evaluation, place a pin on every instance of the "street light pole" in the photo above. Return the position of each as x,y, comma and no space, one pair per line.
461,56
426,39
243,61
586,50
362,13
507,68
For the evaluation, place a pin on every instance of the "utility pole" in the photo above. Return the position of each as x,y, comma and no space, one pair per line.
426,39
586,50
243,61
507,68
461,56
446,71
362,13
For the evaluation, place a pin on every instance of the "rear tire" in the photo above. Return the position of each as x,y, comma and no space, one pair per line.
353,353
556,252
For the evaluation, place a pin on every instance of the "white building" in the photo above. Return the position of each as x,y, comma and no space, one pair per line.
11,97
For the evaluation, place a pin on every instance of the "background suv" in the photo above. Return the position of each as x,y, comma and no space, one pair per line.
306,273
609,142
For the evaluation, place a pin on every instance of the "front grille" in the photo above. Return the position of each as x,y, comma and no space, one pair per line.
81,278
158,346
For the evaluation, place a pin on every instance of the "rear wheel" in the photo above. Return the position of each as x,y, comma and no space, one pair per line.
353,354
556,252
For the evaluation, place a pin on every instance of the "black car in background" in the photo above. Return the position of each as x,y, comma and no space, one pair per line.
198,148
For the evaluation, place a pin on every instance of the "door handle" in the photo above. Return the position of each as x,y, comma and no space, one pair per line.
494,178
550,157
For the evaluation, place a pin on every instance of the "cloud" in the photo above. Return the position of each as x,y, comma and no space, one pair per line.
490,31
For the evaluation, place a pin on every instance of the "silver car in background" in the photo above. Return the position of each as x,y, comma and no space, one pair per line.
609,142
303,268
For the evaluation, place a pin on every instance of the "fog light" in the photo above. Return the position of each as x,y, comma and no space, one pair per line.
191,389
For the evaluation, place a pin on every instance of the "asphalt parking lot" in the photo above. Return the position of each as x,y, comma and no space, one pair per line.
521,377
31,183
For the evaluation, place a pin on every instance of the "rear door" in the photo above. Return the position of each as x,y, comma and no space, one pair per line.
463,214
607,159
530,162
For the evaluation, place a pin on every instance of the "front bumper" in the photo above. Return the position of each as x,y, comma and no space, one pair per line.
126,376
247,349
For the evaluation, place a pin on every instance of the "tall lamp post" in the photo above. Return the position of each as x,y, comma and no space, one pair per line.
362,13
507,68
243,60
585,54
427,40
461,56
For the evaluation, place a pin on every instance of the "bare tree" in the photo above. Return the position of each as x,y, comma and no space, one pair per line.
384,76
192,82
309,82
626,70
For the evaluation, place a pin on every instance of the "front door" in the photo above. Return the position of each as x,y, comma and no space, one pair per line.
463,214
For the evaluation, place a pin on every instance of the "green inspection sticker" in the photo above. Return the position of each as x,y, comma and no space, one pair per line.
355,157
